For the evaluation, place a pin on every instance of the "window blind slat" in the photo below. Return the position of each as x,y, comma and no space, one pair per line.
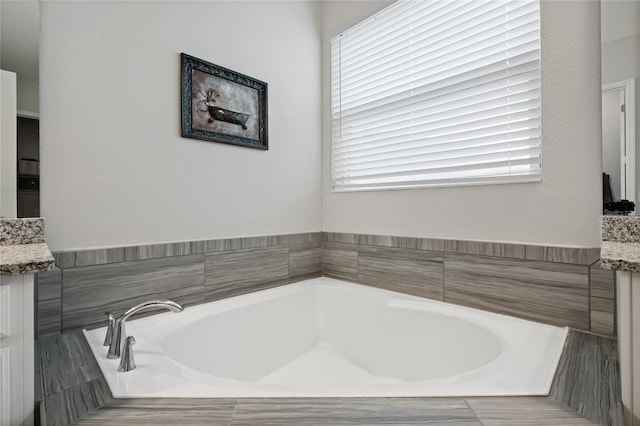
437,93
361,61
460,17
489,162
459,108
497,59
470,130
416,157
416,144
442,86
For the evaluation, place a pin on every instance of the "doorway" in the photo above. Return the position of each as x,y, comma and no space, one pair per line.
618,139
28,152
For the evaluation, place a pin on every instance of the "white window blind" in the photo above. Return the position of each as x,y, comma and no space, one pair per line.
437,93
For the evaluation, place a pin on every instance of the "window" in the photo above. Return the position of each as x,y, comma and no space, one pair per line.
437,93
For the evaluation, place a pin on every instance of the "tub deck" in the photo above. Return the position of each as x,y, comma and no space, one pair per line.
72,390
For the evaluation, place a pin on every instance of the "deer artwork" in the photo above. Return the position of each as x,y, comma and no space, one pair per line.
221,114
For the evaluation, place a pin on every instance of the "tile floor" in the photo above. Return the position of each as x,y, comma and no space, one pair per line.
73,391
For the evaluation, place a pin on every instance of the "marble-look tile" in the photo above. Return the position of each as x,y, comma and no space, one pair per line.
19,231
603,289
553,293
90,291
37,373
588,379
576,256
305,238
603,282
407,242
103,256
603,316
49,305
515,251
71,382
65,259
524,411
432,244
623,229
99,256
340,260
65,407
66,362
364,411
73,259
450,246
238,272
245,243
154,251
376,240
412,243
416,272
305,261
340,237
240,243
159,411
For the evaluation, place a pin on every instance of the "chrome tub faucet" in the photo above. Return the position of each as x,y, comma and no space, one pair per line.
116,334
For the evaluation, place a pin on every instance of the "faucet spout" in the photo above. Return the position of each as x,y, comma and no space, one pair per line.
119,335
152,304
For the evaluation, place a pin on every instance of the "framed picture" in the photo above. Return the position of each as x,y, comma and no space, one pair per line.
220,105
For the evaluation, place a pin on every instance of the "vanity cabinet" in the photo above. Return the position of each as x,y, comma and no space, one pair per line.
628,308
23,253
16,350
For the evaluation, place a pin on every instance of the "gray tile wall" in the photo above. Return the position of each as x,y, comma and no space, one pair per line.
88,283
340,260
556,285
416,272
588,378
554,293
603,299
229,273
89,291
49,312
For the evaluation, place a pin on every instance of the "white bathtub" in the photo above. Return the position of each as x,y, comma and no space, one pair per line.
324,338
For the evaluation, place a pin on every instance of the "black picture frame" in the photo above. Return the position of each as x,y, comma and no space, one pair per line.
221,105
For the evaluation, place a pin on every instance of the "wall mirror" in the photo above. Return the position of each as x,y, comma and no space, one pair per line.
620,38
19,48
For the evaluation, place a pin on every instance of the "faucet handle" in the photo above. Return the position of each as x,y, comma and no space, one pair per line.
111,325
127,363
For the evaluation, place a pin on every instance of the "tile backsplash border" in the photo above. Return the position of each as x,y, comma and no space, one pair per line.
573,255
411,261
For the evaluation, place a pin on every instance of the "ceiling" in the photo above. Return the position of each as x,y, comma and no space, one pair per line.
19,36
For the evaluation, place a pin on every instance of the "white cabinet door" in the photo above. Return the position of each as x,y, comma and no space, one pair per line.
628,313
5,386
16,350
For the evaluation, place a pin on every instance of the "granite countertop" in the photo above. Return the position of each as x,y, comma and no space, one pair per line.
22,247
620,256
21,259
620,249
